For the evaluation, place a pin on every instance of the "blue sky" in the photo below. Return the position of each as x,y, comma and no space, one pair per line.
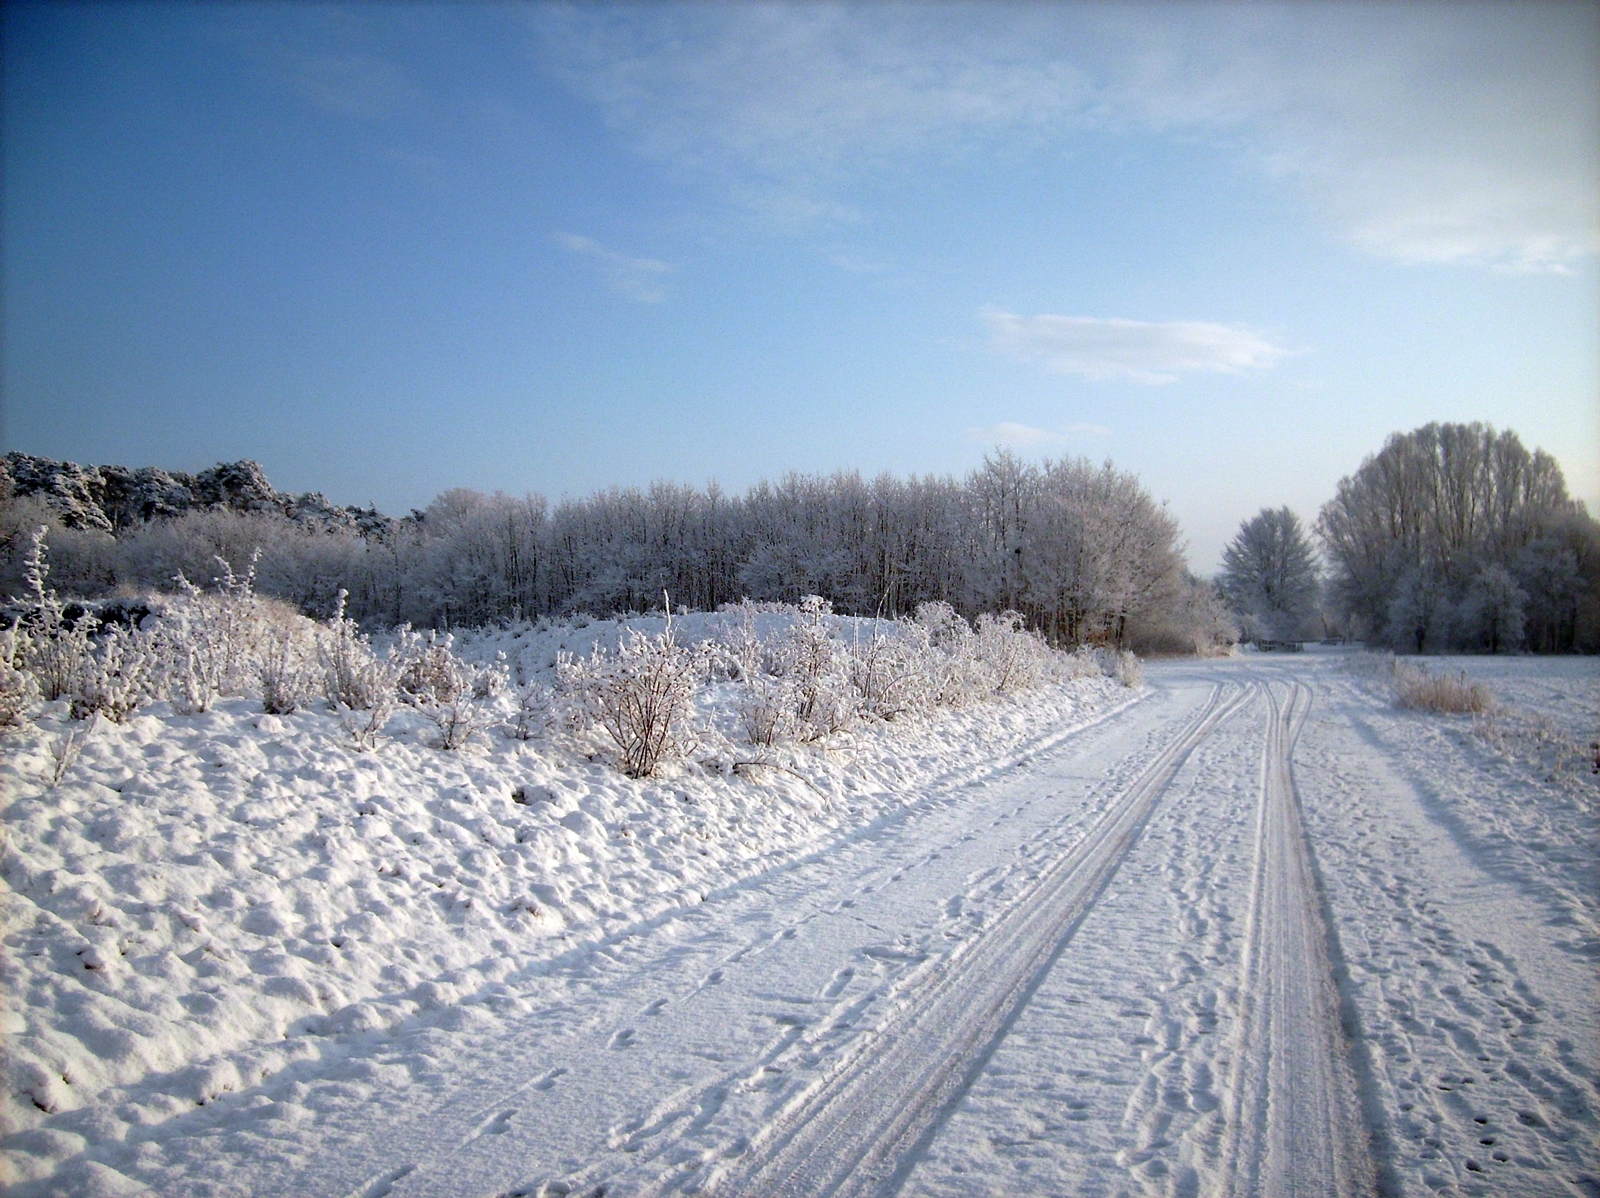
387,250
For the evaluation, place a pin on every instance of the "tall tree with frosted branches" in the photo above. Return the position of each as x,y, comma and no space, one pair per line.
1270,576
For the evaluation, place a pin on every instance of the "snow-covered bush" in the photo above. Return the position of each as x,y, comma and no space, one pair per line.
490,681
431,673
769,702
287,665
446,689
811,664
739,643
534,711
366,724
1122,666
457,721
17,687
1014,657
354,677
121,671
892,671
767,710
212,638
55,648
356,680
54,651
642,695
957,675
807,683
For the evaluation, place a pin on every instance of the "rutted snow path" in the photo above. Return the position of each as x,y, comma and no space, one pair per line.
860,1129
1256,934
1296,1125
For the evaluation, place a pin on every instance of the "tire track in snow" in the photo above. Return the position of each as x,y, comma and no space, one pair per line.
858,1131
1295,1126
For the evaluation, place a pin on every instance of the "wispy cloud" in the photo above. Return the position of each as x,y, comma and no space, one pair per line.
1425,133
1022,436
785,105
1139,350
354,84
642,279
856,263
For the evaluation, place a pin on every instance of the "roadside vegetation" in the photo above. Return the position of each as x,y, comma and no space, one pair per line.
799,672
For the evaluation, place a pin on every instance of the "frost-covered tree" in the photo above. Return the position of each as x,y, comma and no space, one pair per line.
1200,622
1420,617
1492,615
1099,553
1559,573
1082,551
1412,531
1270,576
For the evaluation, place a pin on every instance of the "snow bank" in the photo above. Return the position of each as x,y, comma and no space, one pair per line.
204,898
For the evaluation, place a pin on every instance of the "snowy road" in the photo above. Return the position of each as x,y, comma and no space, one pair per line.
1258,933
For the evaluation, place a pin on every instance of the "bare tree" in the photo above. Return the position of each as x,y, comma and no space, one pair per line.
1411,533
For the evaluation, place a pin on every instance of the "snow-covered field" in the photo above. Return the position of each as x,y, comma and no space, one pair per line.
1565,690
1248,929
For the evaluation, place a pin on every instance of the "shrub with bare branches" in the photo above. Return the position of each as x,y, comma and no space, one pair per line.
1014,657
446,689
121,672
642,695
891,669
287,668
54,648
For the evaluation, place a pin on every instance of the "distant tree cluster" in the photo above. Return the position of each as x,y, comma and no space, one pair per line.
1082,551
1456,537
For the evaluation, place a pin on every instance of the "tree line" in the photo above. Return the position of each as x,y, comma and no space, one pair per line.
1450,537
1082,551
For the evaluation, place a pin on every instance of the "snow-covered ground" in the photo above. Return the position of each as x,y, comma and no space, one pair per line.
1565,690
202,901
1207,937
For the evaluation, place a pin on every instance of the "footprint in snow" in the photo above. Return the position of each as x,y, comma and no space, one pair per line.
380,1186
496,1125
838,982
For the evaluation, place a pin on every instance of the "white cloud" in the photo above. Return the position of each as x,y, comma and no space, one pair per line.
1022,436
1143,351
639,279
1425,133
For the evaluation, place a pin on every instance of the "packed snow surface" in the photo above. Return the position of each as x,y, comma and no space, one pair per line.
1250,929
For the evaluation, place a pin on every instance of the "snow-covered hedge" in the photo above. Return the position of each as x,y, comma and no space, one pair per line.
805,674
